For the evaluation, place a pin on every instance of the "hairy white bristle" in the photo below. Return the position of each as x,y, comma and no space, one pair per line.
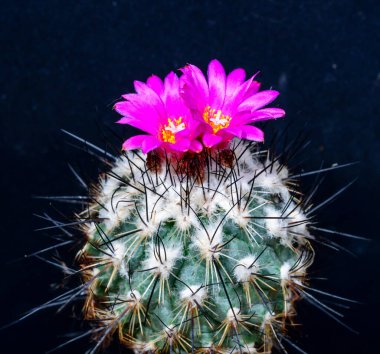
108,186
267,319
240,216
148,228
119,250
133,296
184,222
162,259
115,211
268,181
122,167
233,314
194,294
90,230
245,348
272,182
144,347
284,271
298,221
245,267
206,202
95,271
208,245
275,223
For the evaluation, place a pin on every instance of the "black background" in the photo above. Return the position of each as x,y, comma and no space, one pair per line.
63,65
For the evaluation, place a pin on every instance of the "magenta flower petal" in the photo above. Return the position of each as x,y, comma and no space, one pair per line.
234,79
181,145
122,107
267,113
171,96
194,87
259,100
138,109
156,84
231,102
254,87
248,132
243,91
210,140
151,98
217,83
139,124
149,144
196,146
135,142
123,120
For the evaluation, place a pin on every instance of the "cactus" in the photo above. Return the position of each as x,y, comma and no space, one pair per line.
201,253
200,243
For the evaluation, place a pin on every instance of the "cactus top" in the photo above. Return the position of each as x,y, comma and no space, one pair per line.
190,112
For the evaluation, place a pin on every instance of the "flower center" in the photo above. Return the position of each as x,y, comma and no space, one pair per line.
216,119
170,129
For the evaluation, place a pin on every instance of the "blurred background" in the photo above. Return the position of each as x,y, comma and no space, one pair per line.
65,63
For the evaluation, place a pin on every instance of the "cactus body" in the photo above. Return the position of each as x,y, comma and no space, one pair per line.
195,254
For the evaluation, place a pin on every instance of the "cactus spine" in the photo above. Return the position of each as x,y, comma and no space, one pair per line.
202,253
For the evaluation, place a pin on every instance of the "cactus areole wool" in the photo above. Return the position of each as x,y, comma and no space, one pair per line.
202,242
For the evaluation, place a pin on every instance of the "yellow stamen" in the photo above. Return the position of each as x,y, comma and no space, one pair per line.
170,129
216,119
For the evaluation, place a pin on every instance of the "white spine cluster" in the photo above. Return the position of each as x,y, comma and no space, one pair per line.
194,295
246,269
161,261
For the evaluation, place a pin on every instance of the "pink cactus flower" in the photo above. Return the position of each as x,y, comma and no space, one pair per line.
157,109
226,104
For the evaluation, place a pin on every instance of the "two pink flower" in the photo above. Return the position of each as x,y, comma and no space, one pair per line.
190,112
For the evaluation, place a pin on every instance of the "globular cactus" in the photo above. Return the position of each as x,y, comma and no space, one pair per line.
200,242
197,254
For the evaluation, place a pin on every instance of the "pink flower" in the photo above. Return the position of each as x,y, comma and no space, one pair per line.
157,109
226,104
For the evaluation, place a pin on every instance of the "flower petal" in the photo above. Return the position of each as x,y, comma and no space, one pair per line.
156,84
258,100
247,117
239,95
174,104
149,144
267,113
210,140
143,125
180,145
135,142
130,96
216,83
234,79
122,107
139,110
194,88
248,132
254,87
196,146
149,97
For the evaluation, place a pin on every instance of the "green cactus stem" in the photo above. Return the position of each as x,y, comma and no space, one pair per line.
198,254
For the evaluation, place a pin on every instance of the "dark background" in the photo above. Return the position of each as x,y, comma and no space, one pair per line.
63,65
